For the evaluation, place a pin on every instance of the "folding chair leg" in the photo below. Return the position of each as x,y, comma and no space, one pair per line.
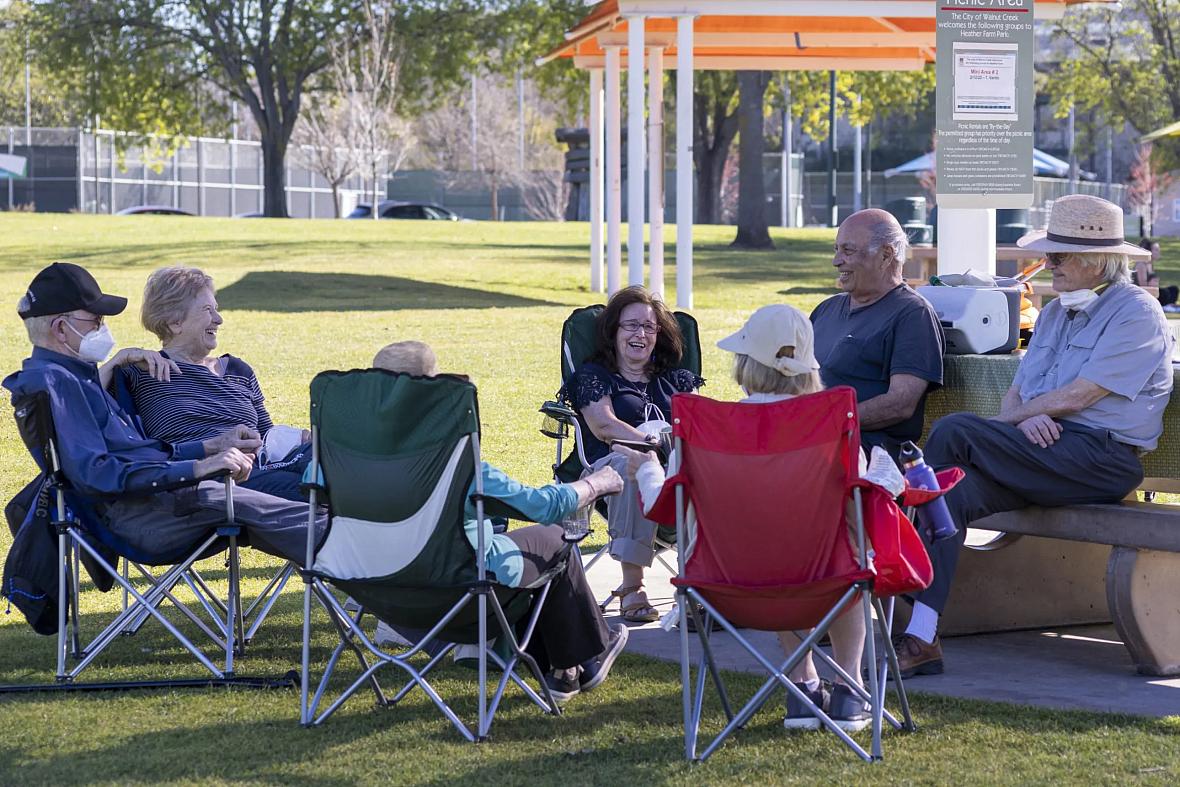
268,598
63,600
149,603
690,721
75,589
875,689
231,606
703,626
885,621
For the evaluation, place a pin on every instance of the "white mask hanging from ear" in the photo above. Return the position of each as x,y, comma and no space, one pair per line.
1076,300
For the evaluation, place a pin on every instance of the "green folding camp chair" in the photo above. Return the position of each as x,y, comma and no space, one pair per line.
394,456
561,421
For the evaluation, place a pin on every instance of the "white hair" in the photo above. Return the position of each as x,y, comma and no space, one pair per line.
38,328
888,233
1116,268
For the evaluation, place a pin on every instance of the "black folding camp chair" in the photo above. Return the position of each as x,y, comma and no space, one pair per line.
394,457
82,538
562,421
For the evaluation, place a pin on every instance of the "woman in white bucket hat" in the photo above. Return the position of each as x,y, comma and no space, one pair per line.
774,359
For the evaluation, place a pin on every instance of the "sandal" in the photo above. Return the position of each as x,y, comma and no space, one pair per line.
639,610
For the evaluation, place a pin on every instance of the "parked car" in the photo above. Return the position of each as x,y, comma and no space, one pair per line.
393,209
153,210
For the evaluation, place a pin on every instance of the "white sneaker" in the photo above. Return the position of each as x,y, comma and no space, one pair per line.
389,637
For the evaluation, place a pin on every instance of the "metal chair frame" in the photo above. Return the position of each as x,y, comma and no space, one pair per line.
693,691
225,628
568,424
353,637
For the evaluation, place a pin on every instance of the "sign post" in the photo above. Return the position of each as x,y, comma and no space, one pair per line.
984,119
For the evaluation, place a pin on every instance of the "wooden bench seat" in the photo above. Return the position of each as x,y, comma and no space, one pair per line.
1142,578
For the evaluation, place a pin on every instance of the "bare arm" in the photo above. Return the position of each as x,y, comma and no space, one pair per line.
606,426
895,405
150,361
1060,402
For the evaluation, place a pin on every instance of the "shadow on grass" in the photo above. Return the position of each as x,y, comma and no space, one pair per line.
293,291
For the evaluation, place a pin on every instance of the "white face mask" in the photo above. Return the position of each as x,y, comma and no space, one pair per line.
95,346
1077,299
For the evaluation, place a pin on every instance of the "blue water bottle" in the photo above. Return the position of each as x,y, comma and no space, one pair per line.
934,515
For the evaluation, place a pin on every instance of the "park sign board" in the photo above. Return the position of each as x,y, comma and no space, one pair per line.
984,101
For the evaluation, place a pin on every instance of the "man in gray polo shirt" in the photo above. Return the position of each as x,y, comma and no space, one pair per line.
1087,400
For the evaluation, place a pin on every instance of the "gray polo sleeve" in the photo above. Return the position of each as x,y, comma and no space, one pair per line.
917,346
1128,352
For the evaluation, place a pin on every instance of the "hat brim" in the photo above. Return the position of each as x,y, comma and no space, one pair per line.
1038,241
733,343
108,305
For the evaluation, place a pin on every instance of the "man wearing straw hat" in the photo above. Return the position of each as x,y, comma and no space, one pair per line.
1087,401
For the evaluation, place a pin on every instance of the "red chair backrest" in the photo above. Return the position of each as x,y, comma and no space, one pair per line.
769,483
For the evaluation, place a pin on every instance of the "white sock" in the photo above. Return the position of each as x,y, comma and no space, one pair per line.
812,685
923,623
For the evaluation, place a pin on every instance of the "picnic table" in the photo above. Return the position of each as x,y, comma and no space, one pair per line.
922,261
1071,565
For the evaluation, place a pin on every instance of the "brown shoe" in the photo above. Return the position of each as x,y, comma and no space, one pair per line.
916,657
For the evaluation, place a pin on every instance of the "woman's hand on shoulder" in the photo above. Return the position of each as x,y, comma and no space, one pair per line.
152,362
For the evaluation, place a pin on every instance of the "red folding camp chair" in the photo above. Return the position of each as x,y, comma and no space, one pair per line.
760,501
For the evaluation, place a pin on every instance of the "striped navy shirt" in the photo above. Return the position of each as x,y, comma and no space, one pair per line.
198,404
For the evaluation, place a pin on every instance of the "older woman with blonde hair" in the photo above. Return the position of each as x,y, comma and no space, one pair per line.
198,393
774,359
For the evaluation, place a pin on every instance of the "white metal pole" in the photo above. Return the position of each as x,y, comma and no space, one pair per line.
474,128
11,141
857,165
655,167
520,113
596,181
28,95
785,167
635,149
200,177
684,163
111,171
614,173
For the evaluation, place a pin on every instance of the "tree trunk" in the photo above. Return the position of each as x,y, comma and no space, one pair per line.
495,197
753,231
712,138
336,199
274,174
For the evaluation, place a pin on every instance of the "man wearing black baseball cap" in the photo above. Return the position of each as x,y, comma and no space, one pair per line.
150,494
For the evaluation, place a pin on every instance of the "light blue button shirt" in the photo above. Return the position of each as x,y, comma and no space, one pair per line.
1121,342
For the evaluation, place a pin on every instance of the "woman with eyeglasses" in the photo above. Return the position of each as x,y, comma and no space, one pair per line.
629,381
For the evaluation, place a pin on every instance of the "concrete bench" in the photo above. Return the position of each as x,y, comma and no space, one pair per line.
1073,565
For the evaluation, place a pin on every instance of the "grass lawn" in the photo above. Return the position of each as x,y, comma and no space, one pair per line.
302,296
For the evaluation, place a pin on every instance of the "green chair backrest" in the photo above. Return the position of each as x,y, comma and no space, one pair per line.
577,340
397,460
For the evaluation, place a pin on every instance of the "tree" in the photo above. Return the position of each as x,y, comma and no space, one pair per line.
715,126
1124,65
49,104
753,231
141,60
1144,186
141,63
328,141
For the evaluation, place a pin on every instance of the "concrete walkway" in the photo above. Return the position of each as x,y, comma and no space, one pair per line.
1084,668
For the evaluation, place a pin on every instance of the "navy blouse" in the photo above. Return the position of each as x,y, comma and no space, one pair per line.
632,401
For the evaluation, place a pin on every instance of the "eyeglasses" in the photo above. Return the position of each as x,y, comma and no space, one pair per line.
633,326
96,320
1057,257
